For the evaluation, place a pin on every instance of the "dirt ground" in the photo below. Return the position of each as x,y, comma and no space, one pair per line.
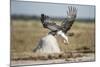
88,57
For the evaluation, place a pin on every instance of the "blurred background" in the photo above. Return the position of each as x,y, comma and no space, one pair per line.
29,9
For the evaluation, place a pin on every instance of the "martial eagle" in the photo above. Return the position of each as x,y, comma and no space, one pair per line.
65,25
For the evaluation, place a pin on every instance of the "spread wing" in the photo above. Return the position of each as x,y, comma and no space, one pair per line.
49,24
71,16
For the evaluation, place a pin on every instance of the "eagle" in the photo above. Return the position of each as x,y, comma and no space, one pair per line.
65,25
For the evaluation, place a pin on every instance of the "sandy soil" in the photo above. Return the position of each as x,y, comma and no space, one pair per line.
86,57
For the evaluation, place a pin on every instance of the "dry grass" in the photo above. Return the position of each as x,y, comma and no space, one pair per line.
26,34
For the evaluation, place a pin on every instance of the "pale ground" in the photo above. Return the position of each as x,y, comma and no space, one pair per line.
87,57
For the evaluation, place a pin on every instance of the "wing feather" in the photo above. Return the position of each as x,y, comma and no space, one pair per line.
48,24
71,16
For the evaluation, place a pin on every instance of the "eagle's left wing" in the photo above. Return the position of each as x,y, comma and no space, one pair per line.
71,16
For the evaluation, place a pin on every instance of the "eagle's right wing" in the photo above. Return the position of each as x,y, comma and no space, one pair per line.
49,24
